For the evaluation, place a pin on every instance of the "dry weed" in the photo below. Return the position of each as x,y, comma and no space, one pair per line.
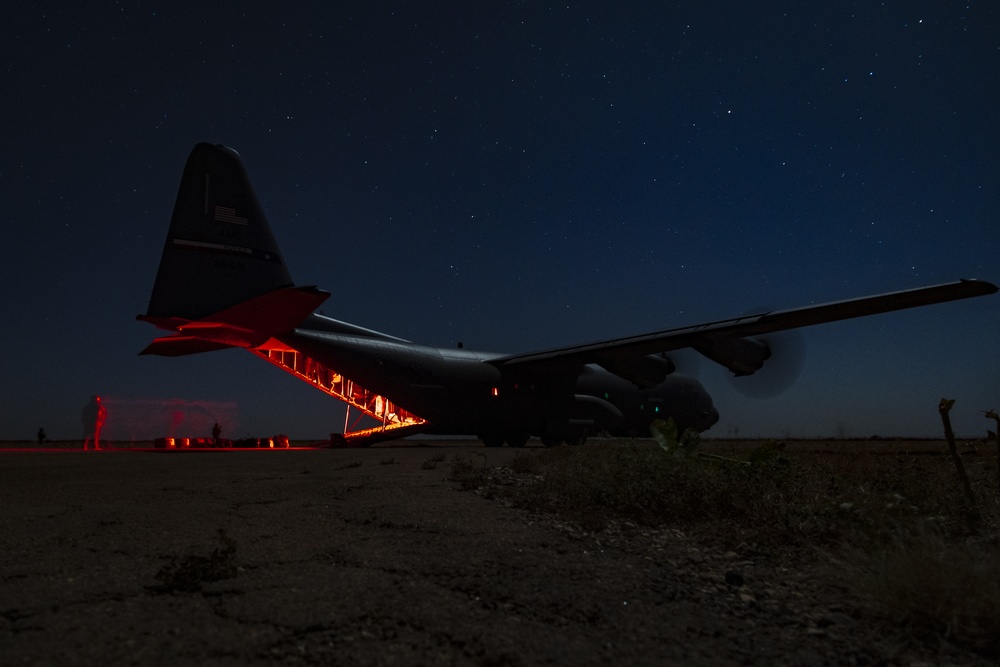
898,522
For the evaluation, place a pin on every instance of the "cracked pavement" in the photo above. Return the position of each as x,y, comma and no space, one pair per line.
376,563
361,557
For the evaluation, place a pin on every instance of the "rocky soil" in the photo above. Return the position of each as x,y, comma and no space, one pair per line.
377,557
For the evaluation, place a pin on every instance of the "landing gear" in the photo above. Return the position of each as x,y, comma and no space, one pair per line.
517,440
497,440
575,437
571,440
492,440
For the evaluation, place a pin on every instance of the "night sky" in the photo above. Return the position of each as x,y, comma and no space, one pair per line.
515,176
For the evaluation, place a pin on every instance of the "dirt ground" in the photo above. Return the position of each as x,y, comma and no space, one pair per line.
375,557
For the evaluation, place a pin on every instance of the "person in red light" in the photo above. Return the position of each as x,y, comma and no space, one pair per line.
94,414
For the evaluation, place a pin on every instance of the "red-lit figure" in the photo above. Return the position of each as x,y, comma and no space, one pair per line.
94,414
216,434
176,419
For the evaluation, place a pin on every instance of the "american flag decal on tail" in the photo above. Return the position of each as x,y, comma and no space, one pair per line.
226,214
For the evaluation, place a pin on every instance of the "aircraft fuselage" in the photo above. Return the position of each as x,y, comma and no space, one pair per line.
458,391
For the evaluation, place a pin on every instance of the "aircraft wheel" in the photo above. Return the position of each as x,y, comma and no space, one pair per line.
492,440
573,442
519,440
551,440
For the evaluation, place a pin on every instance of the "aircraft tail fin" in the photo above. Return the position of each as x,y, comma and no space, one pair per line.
220,250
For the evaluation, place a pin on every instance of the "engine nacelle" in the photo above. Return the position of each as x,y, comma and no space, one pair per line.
742,356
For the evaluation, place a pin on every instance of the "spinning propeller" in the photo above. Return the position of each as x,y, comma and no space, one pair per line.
780,370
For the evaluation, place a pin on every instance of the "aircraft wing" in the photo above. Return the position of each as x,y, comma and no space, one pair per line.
719,336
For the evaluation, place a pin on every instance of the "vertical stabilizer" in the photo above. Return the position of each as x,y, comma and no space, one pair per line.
219,250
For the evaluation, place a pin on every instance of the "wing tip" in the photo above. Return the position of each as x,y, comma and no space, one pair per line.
982,286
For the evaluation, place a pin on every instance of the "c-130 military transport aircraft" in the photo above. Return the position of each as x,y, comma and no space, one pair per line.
222,282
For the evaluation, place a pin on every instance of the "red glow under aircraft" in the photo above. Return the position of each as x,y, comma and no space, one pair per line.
223,283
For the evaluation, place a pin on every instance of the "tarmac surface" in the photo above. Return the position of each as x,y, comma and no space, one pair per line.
285,557
360,557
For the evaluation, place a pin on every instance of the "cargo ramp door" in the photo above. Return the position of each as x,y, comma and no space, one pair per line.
390,420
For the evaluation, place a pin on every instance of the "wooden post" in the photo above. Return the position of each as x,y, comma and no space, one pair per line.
943,407
992,414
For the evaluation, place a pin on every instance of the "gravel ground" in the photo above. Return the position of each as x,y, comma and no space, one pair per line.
375,557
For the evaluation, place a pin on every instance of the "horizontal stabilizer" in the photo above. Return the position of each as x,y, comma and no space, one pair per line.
275,312
178,346
248,324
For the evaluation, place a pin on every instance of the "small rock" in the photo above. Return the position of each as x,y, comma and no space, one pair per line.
836,618
734,578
